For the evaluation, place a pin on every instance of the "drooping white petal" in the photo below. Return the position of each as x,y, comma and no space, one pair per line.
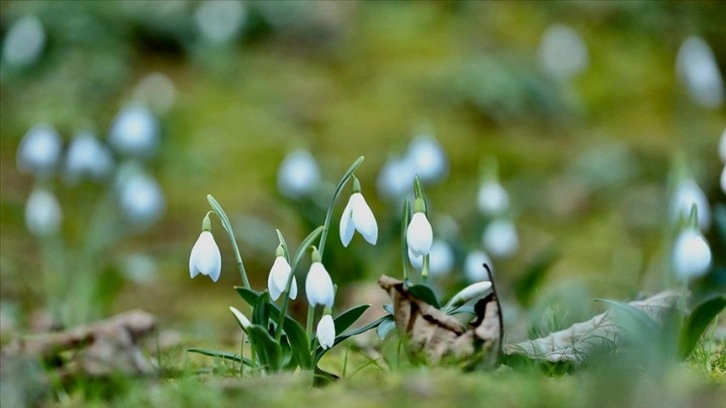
347,227
298,174
325,332
277,280
219,21
205,257
140,196
42,213
394,178
691,255
243,321
419,235
416,260
441,258
135,131
428,158
318,286
24,42
492,198
39,150
87,157
363,218
500,238
698,70
562,52
686,194
473,266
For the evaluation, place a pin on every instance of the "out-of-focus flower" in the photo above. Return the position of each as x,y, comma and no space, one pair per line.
492,198
140,268
394,179
686,194
722,146
441,258
220,21
24,42
242,320
697,68
419,235
318,285
298,175
500,238
562,52
474,266
87,157
140,196
428,159
39,150
691,255
277,280
135,131
42,213
358,216
205,257
157,91
723,180
326,331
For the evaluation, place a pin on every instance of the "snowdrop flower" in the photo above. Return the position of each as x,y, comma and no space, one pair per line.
205,257
87,156
279,274
24,42
318,285
697,68
298,174
428,158
42,213
686,194
242,320
140,196
691,255
473,291
416,260
157,91
219,21
562,52
500,238
135,131
394,179
358,216
473,266
492,198
419,235
441,258
39,150
325,332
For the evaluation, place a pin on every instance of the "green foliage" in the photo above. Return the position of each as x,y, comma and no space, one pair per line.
698,321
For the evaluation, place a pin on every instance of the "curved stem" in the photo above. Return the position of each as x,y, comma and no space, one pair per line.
230,233
338,189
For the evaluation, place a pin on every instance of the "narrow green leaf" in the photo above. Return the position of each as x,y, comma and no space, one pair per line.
346,319
423,292
319,351
637,315
307,242
385,327
698,321
222,354
268,351
260,310
249,295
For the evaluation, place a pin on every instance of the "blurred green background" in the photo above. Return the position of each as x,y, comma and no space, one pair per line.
586,159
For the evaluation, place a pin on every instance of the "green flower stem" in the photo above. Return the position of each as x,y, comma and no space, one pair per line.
242,356
228,227
329,215
425,269
405,218
309,323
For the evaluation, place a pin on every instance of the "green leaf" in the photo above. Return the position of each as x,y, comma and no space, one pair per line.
637,315
385,327
319,351
347,318
222,354
462,309
423,292
698,321
268,351
217,208
249,295
261,310
307,242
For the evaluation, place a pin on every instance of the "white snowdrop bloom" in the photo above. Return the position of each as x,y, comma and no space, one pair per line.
205,257
140,268
135,131
428,158
42,213
298,174
722,146
219,21
394,179
318,286
697,68
24,42
562,52
87,157
140,198
691,255
474,266
358,216
242,320
39,150
686,194
441,258
492,198
325,332
500,238
419,235
473,291
157,91
277,280
416,260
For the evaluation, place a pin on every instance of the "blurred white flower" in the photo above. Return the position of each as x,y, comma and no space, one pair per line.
395,178
135,131
157,91
205,257
326,331
242,320
220,21
42,213
419,235
358,216
500,238
318,286
140,268
87,157
492,198
723,180
722,146
39,150
686,194
298,175
24,42
691,255
697,68
140,196
277,280
474,266
428,159
441,258
562,52
416,260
